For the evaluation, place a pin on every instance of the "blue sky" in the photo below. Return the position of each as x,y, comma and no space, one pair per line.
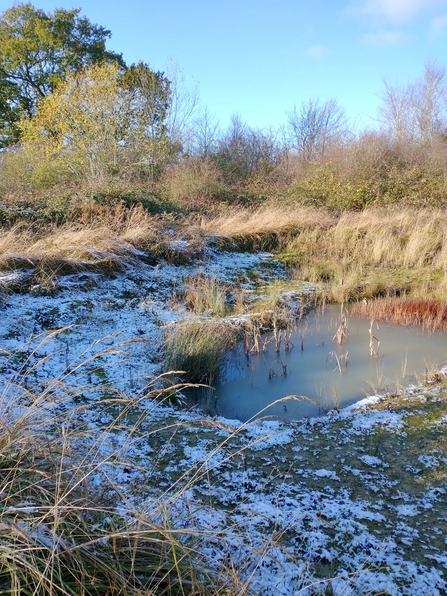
259,58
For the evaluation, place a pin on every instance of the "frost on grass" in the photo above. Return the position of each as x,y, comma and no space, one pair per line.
355,500
338,521
372,461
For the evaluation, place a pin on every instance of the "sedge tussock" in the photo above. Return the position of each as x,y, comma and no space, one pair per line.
205,295
198,347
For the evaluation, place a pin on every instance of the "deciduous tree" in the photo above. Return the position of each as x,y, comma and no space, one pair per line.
99,123
244,152
315,126
37,50
416,112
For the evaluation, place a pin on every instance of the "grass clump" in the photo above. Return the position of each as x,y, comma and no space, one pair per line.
205,295
266,228
197,347
373,252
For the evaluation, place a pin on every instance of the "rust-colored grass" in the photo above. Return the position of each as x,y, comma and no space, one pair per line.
429,314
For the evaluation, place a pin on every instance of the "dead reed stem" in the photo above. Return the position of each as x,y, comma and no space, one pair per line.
342,331
373,348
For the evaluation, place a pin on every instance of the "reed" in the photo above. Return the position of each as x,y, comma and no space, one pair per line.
373,347
252,337
342,329
429,314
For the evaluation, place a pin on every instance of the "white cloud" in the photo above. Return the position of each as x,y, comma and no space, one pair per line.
394,11
385,37
316,51
438,26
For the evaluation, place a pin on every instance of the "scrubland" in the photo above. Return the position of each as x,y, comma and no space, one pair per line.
139,243
113,483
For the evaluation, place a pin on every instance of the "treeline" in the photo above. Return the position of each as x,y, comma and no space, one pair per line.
76,123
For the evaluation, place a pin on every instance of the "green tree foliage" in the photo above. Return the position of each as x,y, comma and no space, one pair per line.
99,123
149,94
37,50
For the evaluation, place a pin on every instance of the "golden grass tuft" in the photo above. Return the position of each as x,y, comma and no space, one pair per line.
205,295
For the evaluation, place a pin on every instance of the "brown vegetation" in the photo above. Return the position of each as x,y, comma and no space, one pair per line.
104,238
373,252
430,314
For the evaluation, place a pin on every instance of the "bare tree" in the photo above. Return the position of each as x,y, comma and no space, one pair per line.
429,103
394,111
315,126
183,107
416,112
205,133
243,151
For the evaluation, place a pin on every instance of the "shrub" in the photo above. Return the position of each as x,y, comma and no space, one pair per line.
372,171
195,184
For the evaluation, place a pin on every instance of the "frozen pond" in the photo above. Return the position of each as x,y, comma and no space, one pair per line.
329,374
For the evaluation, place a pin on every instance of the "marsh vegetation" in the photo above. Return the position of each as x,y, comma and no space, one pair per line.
140,245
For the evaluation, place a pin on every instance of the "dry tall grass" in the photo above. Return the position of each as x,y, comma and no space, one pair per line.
367,253
430,314
67,525
105,241
205,295
266,226
131,227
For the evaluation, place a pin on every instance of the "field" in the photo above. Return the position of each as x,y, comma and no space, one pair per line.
114,483
148,252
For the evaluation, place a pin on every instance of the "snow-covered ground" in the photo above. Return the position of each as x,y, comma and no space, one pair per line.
356,499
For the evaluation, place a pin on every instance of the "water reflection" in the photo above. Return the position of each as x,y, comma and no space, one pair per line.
331,375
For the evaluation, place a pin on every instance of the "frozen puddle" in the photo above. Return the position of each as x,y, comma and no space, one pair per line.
332,376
